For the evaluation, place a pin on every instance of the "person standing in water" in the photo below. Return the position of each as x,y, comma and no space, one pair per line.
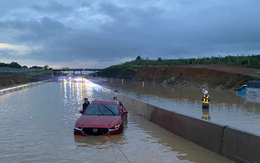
205,100
85,105
115,98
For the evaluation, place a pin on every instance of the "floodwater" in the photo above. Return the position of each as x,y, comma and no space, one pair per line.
227,108
36,125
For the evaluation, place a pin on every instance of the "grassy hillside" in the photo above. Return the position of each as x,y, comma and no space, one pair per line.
30,75
252,61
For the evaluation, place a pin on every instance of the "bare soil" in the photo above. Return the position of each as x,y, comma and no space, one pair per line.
230,69
14,79
195,76
7,79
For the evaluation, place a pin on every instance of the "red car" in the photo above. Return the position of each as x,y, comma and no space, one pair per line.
101,118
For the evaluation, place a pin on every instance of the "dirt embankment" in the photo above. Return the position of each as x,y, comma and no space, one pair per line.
231,69
194,77
117,73
12,79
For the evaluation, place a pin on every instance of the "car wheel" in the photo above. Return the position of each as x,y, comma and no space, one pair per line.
122,128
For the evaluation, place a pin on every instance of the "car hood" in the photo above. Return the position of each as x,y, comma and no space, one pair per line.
98,121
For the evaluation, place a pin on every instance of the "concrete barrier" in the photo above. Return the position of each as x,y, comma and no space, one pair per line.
226,141
241,146
207,135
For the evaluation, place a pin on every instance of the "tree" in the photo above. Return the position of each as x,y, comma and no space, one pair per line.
24,67
4,65
46,67
159,59
15,65
36,67
138,58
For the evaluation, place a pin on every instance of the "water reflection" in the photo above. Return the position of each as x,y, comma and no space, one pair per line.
65,89
205,114
93,142
53,118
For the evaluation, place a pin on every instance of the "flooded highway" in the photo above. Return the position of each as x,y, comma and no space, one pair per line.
37,126
242,112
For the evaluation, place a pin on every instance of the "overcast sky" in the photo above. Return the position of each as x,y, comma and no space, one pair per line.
99,33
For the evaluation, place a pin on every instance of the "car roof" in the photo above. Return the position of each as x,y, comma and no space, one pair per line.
106,102
253,84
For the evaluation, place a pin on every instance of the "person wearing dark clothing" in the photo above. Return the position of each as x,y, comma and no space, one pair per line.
121,106
114,98
85,105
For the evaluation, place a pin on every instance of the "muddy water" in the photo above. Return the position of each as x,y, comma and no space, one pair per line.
37,126
227,108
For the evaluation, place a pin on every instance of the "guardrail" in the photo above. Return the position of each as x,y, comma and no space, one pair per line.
17,70
20,87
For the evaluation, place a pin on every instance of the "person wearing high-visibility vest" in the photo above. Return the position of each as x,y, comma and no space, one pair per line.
205,99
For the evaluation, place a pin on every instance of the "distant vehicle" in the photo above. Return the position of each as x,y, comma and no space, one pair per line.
78,78
100,118
252,88
62,79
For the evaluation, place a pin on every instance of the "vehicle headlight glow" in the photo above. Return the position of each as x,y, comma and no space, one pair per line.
79,79
115,127
77,127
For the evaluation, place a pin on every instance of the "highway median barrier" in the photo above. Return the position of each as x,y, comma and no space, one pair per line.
241,146
229,142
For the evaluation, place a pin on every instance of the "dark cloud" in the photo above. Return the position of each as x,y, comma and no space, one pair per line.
53,6
107,31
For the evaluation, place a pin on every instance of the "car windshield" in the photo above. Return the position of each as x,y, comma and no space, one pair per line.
102,110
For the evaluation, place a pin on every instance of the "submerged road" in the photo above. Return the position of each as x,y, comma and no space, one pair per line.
226,108
37,126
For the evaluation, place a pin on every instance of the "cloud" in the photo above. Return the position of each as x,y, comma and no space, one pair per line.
53,7
112,31
15,50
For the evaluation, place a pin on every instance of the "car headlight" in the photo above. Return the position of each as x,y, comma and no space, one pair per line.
77,127
115,127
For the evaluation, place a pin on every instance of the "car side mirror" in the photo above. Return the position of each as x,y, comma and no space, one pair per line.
125,111
81,111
